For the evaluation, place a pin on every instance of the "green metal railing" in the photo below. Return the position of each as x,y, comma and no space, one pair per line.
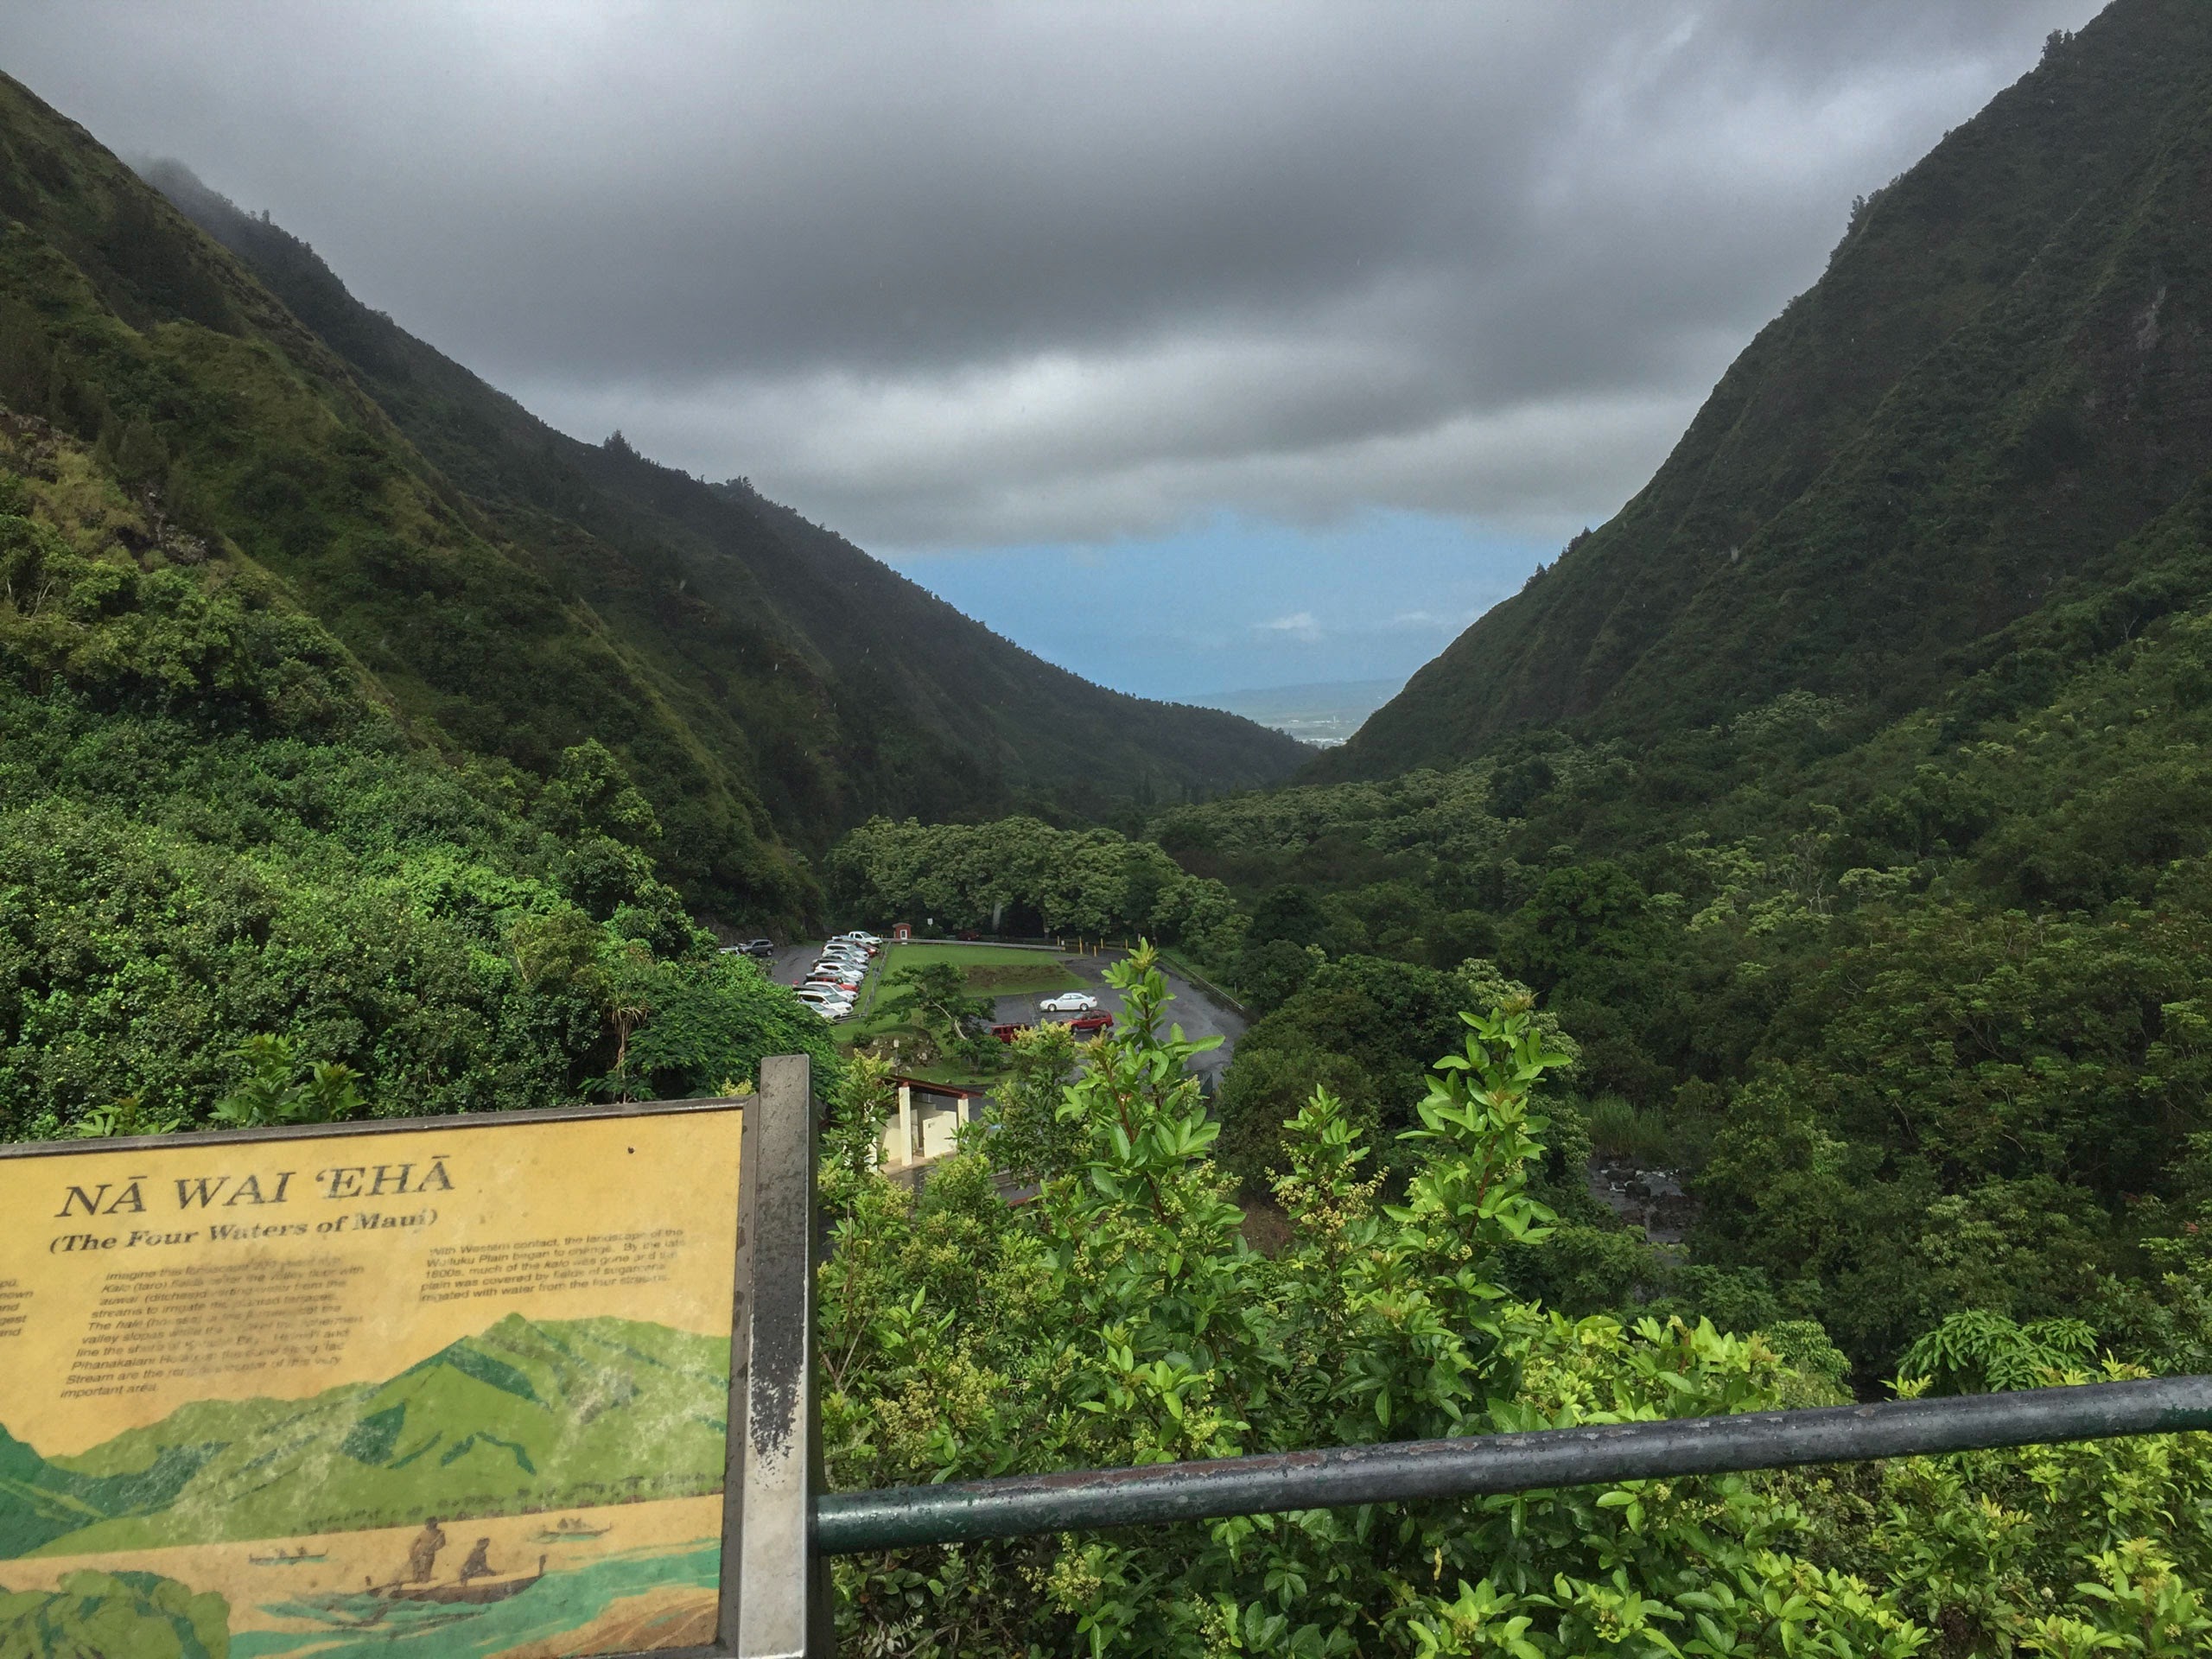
1414,1471
786,1525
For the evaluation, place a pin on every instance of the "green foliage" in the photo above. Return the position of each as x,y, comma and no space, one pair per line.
231,890
1021,877
1975,1351
1356,1028
934,996
1028,1137
274,1091
1916,1019
1121,1319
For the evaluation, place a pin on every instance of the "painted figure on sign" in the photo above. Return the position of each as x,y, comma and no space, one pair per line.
423,1553
478,1565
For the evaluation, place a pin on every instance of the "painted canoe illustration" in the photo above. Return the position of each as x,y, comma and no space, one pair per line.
472,1591
569,1529
288,1558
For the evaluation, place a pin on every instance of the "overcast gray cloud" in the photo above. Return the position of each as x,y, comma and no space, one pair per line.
958,276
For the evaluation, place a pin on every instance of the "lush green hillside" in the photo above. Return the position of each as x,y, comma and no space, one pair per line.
214,830
129,329
845,689
524,1417
1998,382
299,741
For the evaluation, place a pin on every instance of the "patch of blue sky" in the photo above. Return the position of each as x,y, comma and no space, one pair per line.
1235,602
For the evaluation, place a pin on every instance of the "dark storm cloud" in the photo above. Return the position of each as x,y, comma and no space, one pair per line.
961,275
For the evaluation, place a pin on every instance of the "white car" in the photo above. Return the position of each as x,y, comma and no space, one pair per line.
824,996
1069,1003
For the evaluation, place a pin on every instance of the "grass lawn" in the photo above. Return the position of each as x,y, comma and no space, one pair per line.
989,969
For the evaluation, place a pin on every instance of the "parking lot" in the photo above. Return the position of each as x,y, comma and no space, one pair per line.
1198,1014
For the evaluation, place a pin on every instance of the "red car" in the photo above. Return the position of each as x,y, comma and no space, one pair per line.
1090,1026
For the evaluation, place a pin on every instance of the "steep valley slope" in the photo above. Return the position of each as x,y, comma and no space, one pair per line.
512,594
894,702
2002,376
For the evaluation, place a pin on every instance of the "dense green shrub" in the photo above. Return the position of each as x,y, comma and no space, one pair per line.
1121,1319
216,845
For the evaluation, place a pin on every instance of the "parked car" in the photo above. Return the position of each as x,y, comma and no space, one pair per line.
1092,1025
763,948
823,1000
1069,1003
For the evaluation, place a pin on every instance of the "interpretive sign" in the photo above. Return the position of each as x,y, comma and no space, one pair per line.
449,1387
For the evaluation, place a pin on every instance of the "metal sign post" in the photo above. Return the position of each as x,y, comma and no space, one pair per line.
779,1604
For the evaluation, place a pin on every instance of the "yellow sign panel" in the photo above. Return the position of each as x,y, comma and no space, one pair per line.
458,1390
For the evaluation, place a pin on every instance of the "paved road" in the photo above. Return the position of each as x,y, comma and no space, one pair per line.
789,965
1198,1014
1192,1009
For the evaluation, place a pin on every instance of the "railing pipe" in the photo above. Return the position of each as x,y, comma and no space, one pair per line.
1478,1466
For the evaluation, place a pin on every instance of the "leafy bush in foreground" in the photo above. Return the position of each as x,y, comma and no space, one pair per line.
1122,1320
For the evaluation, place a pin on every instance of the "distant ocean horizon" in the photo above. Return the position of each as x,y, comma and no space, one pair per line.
1322,713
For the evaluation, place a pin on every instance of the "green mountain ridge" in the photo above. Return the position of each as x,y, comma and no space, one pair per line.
511,593
1996,384
853,690
521,1417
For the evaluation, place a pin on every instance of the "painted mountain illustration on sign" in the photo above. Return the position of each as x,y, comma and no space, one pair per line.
522,1417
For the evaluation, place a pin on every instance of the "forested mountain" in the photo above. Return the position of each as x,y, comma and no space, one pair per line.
1831,834
1869,868
2001,378
848,687
512,594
